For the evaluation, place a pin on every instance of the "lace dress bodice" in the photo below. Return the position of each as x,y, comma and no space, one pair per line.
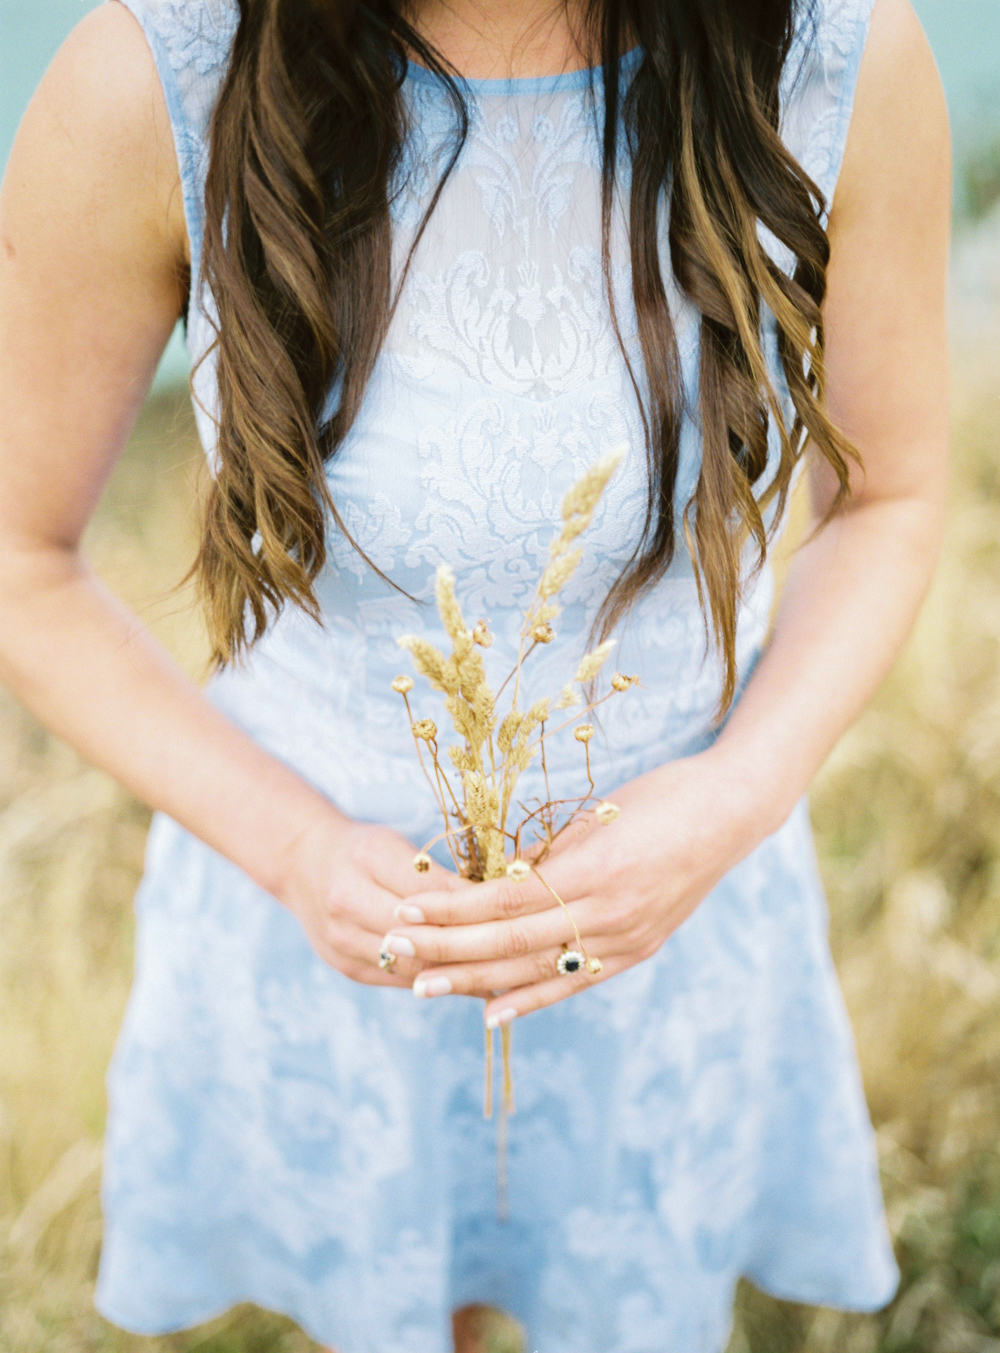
500,381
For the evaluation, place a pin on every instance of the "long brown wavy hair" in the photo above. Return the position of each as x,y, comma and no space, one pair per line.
306,139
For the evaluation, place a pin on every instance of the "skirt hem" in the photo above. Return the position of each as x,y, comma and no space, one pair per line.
805,1294
801,1293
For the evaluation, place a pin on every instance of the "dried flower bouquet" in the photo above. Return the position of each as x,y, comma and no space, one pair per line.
476,793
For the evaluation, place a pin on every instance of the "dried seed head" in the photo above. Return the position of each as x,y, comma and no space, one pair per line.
567,698
542,634
430,662
449,609
579,504
537,714
481,634
586,492
508,730
606,812
591,663
584,732
558,573
619,682
421,863
482,801
402,684
594,965
495,861
460,759
426,729
518,871
484,709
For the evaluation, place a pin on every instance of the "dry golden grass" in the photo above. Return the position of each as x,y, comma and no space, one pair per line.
909,837
907,816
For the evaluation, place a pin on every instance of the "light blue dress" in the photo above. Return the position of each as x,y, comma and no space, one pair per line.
281,1135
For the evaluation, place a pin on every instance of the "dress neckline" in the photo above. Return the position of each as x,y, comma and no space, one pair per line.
529,84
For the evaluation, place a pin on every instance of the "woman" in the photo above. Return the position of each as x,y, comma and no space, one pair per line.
434,261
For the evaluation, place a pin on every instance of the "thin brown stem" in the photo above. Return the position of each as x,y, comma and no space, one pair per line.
548,820
488,1096
514,669
579,715
532,813
441,836
548,887
443,784
573,817
508,1077
435,790
443,777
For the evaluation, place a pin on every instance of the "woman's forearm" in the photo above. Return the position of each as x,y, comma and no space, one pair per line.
849,602
856,586
86,667
92,266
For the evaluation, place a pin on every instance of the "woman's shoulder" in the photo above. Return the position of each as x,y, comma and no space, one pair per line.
190,42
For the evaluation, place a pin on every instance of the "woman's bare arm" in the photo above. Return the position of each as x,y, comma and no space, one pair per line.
854,589
93,253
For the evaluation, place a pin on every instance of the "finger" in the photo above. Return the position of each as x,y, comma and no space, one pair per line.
483,979
365,974
357,969
498,900
440,882
370,906
574,834
516,1004
395,870
495,939
357,946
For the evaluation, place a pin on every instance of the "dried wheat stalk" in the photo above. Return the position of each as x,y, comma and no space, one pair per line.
476,791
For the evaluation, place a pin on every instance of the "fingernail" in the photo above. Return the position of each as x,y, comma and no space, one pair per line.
501,1017
431,986
400,946
405,912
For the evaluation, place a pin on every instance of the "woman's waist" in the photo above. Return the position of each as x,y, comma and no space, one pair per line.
358,750
321,698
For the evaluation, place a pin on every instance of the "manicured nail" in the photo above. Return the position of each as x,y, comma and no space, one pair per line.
501,1017
412,915
431,986
400,946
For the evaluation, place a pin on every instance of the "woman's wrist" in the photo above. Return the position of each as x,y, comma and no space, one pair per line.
757,790
310,833
741,801
275,830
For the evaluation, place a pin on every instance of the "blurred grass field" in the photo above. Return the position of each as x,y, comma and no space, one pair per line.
907,814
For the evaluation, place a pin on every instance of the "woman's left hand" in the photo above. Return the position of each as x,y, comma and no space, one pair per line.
628,885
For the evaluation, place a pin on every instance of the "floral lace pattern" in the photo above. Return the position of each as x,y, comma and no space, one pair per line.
196,38
281,1135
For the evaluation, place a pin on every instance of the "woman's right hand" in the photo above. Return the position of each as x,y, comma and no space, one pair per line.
346,883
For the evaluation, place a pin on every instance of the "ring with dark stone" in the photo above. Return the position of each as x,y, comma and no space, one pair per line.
386,960
570,961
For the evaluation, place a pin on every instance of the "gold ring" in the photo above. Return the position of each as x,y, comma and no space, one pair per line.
386,960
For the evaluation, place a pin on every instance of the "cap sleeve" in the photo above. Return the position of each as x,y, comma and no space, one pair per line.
821,76
190,42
